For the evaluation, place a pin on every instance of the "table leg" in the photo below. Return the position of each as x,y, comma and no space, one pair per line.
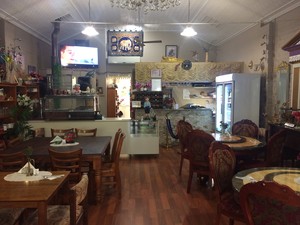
42,213
97,164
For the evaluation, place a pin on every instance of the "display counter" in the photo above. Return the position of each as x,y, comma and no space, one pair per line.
200,118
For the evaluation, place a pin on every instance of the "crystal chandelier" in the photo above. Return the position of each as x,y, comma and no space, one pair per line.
147,5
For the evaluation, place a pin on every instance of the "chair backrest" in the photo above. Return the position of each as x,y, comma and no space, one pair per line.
245,128
115,144
60,132
2,145
222,163
119,149
67,160
86,132
39,132
270,203
183,129
275,148
198,143
12,161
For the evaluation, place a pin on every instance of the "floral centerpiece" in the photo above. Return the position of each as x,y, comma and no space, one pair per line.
21,113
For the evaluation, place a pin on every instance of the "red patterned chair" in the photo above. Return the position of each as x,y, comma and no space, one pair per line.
222,165
198,142
270,203
183,129
273,153
245,128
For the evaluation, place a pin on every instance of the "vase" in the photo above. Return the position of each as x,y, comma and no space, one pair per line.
29,171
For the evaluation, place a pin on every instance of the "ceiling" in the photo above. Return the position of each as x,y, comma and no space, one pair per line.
215,20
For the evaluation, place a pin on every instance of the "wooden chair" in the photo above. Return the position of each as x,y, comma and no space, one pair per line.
183,129
67,160
39,132
273,153
65,214
110,172
86,132
60,132
270,203
12,161
2,145
198,142
245,128
222,165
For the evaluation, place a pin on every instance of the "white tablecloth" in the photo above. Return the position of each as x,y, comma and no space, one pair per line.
22,177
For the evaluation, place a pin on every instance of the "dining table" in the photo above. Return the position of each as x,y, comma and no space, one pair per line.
282,175
21,191
241,145
93,149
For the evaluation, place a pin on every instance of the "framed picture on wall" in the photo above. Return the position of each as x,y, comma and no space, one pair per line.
171,51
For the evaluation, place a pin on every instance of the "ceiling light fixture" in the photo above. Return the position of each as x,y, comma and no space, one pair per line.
188,31
147,5
90,30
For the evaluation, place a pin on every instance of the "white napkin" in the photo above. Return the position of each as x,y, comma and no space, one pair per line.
24,168
52,177
57,139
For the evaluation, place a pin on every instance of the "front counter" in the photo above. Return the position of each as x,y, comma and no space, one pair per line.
200,118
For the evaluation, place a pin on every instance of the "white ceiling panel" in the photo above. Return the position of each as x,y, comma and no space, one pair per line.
214,20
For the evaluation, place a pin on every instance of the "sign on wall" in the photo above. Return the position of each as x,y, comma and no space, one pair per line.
124,43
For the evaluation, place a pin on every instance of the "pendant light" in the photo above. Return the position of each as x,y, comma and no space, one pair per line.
188,31
90,30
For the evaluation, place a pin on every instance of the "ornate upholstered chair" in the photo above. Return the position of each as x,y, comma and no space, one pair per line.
65,214
273,153
110,172
245,128
183,129
60,132
222,165
270,203
67,160
86,132
197,143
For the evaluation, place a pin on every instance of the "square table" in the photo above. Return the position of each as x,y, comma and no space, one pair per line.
93,148
31,194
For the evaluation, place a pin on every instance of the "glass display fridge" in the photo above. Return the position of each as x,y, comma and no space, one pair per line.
237,98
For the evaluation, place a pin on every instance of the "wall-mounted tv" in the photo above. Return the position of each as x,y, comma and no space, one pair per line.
79,57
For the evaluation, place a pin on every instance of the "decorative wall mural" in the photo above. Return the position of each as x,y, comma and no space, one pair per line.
123,43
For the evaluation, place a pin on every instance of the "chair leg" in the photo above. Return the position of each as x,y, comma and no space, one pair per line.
218,219
181,163
231,221
118,185
189,182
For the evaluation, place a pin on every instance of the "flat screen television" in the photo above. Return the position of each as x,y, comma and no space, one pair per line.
79,57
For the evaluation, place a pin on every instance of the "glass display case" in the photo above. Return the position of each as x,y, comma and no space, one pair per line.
70,107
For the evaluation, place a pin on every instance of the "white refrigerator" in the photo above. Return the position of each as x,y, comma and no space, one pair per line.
237,98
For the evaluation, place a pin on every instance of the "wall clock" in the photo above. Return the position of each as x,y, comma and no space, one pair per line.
186,65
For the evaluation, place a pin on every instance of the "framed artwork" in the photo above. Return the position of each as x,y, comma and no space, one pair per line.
123,43
171,51
100,90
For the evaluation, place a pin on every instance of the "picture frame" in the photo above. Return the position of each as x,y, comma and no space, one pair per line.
100,90
171,51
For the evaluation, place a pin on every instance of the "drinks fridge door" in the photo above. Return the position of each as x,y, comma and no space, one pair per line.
228,104
220,110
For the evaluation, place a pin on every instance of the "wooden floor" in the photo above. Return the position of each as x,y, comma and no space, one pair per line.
154,194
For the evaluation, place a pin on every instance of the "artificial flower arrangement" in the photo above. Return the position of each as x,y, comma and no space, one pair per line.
21,113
